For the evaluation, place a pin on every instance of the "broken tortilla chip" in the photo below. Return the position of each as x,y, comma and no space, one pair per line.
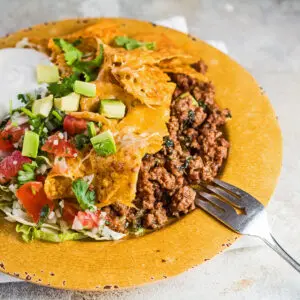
106,30
140,56
148,84
57,187
141,119
91,116
184,69
116,175
59,181
105,90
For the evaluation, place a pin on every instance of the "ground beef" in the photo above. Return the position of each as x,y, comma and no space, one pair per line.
194,151
183,201
156,217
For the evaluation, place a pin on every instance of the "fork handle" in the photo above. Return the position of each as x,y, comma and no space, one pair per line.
272,243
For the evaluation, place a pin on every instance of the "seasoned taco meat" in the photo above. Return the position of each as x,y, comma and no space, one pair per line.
194,151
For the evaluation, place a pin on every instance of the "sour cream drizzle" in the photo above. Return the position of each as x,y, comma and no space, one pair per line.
18,75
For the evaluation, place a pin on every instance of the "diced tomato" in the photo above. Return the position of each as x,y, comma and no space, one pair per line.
41,178
59,146
69,212
10,135
33,198
10,165
89,219
74,126
6,145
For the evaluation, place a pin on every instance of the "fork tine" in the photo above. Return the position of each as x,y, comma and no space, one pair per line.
228,210
233,189
209,208
227,196
220,210
247,200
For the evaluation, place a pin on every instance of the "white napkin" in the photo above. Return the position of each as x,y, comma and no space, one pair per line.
179,23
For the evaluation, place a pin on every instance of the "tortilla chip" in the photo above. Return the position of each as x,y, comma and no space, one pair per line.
91,116
105,90
116,175
139,56
58,187
184,69
143,120
59,180
58,58
148,84
106,30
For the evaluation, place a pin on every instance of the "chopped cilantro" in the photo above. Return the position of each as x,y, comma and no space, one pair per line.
130,44
64,87
39,126
36,123
27,174
168,142
81,140
76,42
89,69
72,54
186,163
85,197
55,119
190,119
202,104
44,214
26,98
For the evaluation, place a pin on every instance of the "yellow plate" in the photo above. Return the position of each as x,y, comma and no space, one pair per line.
254,164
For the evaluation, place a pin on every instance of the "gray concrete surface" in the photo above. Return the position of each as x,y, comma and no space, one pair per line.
263,35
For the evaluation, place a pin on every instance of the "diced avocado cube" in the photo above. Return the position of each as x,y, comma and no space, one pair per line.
68,103
43,106
30,144
47,73
104,143
114,109
85,88
187,94
91,129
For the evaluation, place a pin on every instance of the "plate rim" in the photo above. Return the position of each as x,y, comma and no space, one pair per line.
164,264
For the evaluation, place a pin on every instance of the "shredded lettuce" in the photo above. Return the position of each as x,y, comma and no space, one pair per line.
43,160
5,193
30,233
104,234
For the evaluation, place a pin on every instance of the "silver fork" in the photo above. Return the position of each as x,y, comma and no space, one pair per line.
222,200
